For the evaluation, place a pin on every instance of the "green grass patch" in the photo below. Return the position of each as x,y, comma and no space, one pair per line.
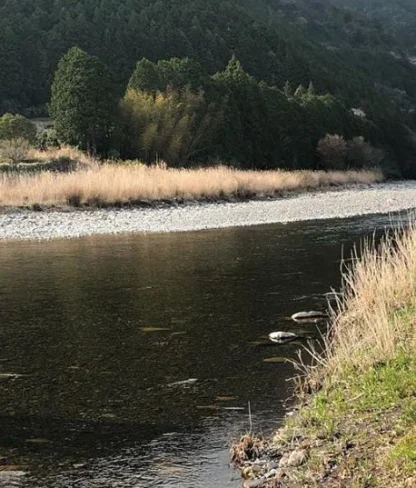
403,456
384,388
361,424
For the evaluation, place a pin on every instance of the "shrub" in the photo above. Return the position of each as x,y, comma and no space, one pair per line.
15,150
47,139
333,151
17,126
361,154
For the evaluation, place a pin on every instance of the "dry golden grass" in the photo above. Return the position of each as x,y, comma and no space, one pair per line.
375,317
62,152
357,429
107,184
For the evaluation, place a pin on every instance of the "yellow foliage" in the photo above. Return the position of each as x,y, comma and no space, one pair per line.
173,125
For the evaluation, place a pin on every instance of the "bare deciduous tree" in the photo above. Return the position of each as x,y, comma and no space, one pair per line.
333,151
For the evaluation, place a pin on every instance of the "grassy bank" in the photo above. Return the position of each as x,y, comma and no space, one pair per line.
104,184
358,427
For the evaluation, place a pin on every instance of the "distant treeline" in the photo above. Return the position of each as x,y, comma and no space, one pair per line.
343,53
174,111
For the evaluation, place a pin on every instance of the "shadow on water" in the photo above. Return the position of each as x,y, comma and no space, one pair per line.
139,354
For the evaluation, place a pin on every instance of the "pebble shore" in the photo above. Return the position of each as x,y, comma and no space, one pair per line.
334,203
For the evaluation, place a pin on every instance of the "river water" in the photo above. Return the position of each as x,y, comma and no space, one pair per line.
138,355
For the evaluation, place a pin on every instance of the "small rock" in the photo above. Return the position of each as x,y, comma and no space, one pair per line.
283,460
38,441
258,483
9,376
271,473
295,458
247,473
259,462
311,315
190,381
282,337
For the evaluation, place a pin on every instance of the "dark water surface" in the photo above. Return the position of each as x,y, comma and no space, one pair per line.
104,400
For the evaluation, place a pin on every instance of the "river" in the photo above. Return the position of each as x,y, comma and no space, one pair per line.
138,355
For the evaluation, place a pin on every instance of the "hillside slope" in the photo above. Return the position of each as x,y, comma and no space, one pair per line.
398,18
276,40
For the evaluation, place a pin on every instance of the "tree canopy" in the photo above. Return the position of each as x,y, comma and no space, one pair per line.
84,101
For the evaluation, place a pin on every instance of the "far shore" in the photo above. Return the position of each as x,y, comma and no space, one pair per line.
354,200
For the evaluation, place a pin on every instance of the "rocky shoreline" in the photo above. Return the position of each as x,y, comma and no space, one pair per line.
352,201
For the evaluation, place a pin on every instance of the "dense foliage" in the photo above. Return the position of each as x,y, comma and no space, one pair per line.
15,126
351,57
83,103
275,40
398,18
175,111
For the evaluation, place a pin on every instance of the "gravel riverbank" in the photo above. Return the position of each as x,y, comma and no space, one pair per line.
336,203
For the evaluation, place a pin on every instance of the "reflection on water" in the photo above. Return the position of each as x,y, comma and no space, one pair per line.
139,354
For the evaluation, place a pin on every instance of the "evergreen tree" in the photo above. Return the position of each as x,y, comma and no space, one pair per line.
311,89
146,76
84,101
288,89
300,91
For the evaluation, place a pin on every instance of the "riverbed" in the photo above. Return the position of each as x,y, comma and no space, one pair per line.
170,217
136,356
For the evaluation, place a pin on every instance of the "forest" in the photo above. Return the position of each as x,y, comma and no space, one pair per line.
258,83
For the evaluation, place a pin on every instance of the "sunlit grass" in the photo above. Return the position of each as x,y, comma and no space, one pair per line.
360,425
95,184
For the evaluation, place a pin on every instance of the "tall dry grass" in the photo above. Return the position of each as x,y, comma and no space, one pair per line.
376,317
55,153
106,184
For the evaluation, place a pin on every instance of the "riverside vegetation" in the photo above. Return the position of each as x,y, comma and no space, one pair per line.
176,114
356,424
306,71
67,177
185,111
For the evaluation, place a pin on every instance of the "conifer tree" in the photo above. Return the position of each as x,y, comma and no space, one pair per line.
311,89
300,91
84,101
146,76
288,89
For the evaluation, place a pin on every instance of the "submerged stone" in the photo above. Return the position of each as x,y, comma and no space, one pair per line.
208,407
311,315
153,329
188,382
282,337
9,376
275,360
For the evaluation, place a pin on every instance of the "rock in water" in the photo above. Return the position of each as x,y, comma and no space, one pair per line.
9,376
311,315
282,337
191,381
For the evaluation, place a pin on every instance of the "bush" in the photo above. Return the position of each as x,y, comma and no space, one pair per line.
47,139
17,126
15,150
333,151
361,154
